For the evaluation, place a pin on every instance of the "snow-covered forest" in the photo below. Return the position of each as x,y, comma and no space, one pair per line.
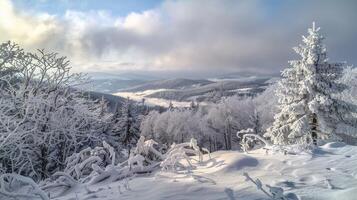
314,102
56,142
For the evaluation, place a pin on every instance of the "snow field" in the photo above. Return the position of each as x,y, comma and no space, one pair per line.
328,173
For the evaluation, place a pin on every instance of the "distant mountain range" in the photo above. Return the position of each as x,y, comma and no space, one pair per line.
110,86
113,82
213,91
180,90
121,76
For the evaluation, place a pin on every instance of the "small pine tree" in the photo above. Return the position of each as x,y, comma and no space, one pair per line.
308,108
114,129
124,125
171,106
128,125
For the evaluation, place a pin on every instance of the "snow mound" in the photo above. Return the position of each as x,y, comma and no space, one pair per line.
241,163
332,145
347,194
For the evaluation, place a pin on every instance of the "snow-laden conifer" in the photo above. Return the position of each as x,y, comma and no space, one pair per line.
308,91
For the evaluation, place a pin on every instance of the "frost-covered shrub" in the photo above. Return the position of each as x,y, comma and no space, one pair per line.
247,138
178,152
80,164
43,119
82,167
14,186
91,166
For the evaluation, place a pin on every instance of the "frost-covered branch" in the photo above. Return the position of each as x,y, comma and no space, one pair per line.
247,135
274,193
92,166
11,184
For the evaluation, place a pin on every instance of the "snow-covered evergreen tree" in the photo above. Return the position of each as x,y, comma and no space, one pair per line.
309,110
114,129
128,125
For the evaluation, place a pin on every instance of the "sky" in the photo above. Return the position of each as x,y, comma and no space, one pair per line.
201,37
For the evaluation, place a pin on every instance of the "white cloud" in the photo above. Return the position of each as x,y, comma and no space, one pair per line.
147,22
21,27
182,35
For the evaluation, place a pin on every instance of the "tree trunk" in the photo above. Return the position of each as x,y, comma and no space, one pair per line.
314,128
43,161
225,140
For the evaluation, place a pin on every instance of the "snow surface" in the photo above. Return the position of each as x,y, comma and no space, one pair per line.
330,172
138,96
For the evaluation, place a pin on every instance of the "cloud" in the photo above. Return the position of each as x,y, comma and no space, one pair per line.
26,28
209,37
144,23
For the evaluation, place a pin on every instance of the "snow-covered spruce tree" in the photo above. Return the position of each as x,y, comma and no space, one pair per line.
309,107
127,126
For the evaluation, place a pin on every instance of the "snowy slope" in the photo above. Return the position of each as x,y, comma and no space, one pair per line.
177,83
226,86
109,85
180,92
329,173
113,82
138,96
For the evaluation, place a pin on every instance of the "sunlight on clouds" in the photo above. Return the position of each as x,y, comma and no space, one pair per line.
24,28
181,35
143,23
